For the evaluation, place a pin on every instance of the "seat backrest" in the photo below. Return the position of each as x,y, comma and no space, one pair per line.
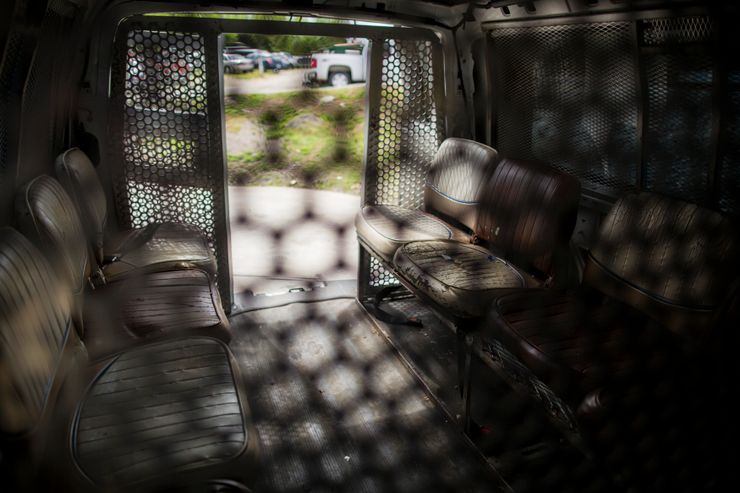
46,215
78,176
37,339
454,179
527,214
673,260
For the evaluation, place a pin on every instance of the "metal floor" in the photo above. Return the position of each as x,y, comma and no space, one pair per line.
337,410
540,461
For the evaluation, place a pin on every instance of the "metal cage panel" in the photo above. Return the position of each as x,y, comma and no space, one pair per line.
645,103
568,95
677,30
676,54
405,128
679,124
729,165
168,142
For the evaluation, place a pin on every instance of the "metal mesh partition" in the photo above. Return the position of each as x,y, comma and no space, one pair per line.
729,166
405,128
689,29
622,105
169,141
41,138
678,70
568,95
9,76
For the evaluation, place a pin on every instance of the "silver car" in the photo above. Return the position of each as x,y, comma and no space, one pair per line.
237,64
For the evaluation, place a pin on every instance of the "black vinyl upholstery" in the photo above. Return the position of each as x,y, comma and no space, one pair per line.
151,307
157,247
47,216
527,214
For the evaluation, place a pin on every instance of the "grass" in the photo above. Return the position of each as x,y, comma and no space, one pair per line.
312,142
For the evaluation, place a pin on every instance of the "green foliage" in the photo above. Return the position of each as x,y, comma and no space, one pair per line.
240,103
321,144
298,45
294,44
274,119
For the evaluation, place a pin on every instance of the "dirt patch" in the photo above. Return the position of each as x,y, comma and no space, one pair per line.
244,136
302,120
296,139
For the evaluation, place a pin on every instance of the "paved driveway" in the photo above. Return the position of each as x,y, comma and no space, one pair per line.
272,82
284,237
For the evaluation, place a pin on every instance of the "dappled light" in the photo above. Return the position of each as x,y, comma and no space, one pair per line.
369,247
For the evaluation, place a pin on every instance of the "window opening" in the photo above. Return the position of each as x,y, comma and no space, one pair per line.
295,141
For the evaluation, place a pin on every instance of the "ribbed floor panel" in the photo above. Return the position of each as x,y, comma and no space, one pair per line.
337,410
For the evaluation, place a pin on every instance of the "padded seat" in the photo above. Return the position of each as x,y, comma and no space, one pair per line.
525,218
133,310
460,277
155,306
660,280
385,228
164,408
157,247
450,199
575,341
169,415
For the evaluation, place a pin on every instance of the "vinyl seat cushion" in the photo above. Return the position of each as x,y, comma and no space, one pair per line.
576,341
172,406
141,309
163,246
156,247
385,228
136,308
461,278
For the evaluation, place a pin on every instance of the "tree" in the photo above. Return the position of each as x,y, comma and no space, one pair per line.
295,44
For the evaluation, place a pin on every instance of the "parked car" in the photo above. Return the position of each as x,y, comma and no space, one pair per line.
339,65
256,56
286,59
266,59
237,64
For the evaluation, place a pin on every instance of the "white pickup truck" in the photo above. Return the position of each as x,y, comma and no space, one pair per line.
339,65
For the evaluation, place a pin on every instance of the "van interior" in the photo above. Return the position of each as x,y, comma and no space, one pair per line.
534,284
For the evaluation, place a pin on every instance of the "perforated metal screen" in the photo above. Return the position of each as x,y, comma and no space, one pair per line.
729,170
568,95
166,84
405,128
677,59
622,105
